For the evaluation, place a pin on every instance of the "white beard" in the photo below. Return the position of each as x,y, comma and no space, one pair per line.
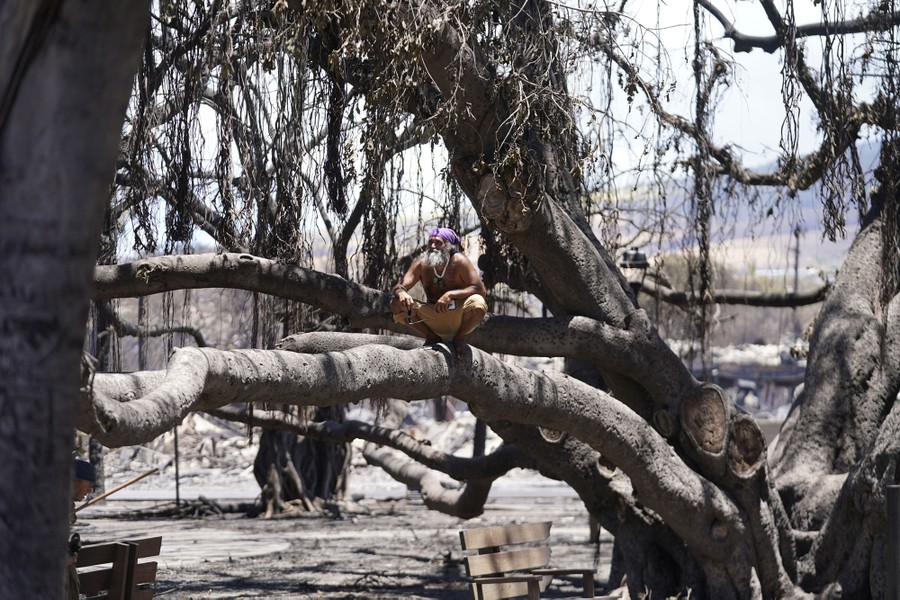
436,258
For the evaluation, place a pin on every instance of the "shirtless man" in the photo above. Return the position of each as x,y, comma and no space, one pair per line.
454,290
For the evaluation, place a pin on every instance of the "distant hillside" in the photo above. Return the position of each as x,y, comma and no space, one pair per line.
751,234
773,249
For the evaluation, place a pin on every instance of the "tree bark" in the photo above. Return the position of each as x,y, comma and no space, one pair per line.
846,391
634,350
838,449
311,472
65,74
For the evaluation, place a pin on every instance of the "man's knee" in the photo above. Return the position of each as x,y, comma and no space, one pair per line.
475,302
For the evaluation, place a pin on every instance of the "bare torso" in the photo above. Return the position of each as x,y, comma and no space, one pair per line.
437,280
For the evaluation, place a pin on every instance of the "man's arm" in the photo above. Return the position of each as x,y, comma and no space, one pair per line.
402,299
471,280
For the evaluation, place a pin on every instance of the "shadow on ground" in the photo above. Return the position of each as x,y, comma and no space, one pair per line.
372,550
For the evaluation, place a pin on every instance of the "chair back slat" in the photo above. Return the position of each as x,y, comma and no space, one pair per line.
497,563
502,535
510,561
147,547
98,554
145,572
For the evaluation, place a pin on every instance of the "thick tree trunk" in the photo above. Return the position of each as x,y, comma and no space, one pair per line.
838,449
310,472
65,74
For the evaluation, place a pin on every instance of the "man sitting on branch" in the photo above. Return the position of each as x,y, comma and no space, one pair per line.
454,289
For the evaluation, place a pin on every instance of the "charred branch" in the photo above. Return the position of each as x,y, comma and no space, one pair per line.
490,466
876,21
127,328
739,297
417,469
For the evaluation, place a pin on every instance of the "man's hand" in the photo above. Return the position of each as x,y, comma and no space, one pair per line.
404,299
443,304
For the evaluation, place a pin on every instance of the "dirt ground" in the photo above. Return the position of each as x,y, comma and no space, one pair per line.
381,544
373,549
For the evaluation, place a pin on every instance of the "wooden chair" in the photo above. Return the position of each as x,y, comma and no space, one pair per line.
512,560
122,575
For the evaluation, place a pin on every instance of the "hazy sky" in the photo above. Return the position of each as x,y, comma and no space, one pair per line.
751,113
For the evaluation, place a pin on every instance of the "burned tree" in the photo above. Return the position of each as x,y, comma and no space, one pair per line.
315,110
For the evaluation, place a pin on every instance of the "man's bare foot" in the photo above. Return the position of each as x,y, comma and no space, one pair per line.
460,346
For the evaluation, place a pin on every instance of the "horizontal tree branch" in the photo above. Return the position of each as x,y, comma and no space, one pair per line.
636,350
465,502
490,466
240,271
417,469
127,409
741,297
126,328
770,43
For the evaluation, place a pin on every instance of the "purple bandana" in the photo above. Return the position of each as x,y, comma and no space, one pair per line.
446,234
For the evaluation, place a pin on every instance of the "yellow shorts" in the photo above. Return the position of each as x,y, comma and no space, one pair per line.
443,324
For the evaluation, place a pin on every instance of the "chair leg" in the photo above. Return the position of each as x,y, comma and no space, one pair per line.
588,585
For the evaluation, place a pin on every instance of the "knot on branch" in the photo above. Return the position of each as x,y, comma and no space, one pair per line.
551,436
144,271
666,421
504,204
719,531
605,467
704,418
